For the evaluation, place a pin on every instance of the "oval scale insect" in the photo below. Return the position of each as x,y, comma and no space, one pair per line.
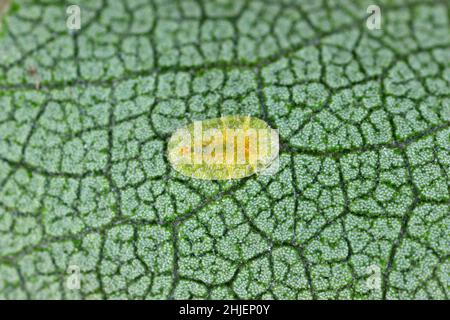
230,147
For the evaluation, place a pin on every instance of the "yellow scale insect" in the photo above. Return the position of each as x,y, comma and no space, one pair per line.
230,147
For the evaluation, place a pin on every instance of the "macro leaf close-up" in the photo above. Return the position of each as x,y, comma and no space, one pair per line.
91,91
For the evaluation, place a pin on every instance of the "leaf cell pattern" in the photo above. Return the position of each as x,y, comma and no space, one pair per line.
364,122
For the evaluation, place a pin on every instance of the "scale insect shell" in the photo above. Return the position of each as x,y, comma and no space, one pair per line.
229,147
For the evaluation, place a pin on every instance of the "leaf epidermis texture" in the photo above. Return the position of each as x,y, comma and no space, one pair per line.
363,117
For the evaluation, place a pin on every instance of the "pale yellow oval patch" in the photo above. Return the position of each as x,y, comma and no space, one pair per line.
230,147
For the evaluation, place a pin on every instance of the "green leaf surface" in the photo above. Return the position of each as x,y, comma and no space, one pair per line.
364,123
